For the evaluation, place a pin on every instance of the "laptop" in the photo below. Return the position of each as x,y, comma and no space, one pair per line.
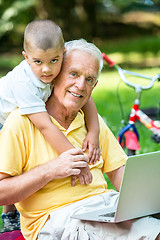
139,194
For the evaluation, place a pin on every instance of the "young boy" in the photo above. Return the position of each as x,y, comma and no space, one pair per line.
29,85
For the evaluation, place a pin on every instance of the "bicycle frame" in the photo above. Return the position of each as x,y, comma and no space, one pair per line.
130,131
137,114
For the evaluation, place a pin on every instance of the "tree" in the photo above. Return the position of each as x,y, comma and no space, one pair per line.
14,15
78,18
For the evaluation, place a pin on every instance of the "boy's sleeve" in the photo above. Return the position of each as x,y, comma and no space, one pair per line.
29,99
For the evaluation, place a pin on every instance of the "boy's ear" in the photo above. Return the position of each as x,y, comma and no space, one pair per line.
25,56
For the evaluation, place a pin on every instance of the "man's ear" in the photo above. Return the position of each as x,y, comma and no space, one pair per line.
25,56
96,83
64,50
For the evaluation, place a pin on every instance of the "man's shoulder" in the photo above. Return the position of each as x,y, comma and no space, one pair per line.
102,122
105,131
15,119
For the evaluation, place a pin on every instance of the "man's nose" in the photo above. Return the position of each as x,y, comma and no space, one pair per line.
80,83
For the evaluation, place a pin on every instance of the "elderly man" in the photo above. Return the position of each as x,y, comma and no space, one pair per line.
33,176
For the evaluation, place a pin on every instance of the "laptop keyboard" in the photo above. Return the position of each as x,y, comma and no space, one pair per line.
111,214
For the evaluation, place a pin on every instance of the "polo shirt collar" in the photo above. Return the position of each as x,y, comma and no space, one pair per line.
78,122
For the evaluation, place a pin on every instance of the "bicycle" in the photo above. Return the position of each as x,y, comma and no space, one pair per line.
128,137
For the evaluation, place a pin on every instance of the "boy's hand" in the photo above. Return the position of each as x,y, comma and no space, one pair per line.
92,143
85,177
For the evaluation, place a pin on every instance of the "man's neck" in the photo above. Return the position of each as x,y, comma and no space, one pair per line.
62,115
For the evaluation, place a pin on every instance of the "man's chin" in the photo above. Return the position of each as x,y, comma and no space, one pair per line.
73,107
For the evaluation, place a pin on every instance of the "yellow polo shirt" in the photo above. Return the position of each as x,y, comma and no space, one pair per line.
23,147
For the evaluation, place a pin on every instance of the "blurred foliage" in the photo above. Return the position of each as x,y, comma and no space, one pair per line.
10,13
93,20
14,16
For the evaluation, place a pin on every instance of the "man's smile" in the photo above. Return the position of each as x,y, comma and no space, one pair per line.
75,94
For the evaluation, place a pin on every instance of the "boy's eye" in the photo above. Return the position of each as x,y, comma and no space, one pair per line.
38,62
54,60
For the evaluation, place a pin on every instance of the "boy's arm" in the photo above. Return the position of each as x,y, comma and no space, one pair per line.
57,140
50,132
92,139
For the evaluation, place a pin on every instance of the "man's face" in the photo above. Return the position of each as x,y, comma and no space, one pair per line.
74,84
46,65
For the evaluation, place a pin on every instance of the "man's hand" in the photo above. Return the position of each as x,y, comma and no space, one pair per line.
68,163
74,162
17,188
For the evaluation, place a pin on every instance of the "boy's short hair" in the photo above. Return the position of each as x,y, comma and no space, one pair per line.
43,34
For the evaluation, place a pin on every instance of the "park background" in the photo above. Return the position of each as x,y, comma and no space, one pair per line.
127,30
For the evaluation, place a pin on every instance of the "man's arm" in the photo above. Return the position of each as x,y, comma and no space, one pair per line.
18,188
115,177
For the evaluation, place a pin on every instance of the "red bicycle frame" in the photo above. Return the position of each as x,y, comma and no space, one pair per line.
136,113
132,137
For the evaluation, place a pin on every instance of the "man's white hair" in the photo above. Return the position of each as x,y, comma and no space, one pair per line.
83,45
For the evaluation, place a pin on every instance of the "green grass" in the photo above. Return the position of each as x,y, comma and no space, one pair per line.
109,184
141,44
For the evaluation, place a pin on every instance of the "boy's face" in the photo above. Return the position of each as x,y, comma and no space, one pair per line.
46,65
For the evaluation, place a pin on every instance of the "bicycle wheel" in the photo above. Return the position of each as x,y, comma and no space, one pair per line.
131,152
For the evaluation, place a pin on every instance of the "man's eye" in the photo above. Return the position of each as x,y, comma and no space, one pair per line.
89,80
54,60
73,74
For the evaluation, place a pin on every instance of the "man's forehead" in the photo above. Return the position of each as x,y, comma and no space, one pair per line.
78,59
79,54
